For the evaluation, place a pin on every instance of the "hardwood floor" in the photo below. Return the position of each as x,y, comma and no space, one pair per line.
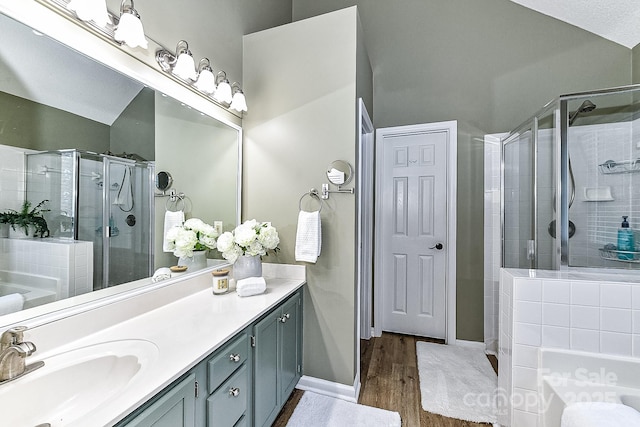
389,380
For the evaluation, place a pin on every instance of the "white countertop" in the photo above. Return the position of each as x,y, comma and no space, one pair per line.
184,331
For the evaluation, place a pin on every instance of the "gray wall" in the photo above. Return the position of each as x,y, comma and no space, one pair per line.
134,129
636,64
302,78
488,64
213,29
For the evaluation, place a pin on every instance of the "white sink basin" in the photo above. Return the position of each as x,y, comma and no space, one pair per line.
73,383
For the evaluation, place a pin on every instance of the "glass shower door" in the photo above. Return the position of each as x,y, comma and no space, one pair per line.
127,221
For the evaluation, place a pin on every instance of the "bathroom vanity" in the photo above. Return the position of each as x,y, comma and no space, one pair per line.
176,355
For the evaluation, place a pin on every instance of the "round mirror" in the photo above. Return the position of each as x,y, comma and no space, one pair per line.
163,180
339,172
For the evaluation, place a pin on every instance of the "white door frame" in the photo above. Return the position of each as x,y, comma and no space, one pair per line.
452,169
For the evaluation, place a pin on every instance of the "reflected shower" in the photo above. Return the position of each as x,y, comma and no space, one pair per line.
586,107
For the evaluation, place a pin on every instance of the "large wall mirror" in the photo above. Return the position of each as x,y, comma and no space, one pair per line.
89,140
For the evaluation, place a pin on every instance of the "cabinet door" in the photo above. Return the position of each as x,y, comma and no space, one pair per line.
265,392
289,341
176,408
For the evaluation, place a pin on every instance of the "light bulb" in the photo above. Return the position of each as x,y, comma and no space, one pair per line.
90,10
239,103
223,92
206,82
185,67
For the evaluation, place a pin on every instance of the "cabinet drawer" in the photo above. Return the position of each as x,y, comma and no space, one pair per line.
227,360
230,402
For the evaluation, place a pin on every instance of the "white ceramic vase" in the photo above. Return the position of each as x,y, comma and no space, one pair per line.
197,262
247,266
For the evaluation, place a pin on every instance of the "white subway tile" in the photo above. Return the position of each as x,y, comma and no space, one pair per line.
524,419
525,355
615,343
528,290
636,346
528,312
556,314
556,291
636,322
615,320
585,293
556,337
617,296
635,296
585,340
585,317
528,334
526,378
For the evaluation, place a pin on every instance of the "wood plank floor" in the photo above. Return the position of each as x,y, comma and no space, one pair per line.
389,380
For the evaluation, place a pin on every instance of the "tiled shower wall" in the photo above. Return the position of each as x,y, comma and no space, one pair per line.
12,177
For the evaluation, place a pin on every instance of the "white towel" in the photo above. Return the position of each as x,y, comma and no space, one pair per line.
251,286
171,219
11,303
308,237
161,274
599,414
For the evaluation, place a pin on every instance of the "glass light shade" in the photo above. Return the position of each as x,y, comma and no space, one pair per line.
206,82
223,93
130,31
239,103
90,10
185,67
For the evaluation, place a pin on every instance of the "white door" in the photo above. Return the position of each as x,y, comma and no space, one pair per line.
413,228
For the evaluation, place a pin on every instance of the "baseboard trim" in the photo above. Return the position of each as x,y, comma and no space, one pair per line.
330,388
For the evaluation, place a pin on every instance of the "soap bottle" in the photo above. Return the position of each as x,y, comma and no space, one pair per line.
625,241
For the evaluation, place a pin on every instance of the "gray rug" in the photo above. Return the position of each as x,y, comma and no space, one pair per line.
315,410
457,382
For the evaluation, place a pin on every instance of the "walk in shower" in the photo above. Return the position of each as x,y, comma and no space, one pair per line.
570,174
101,199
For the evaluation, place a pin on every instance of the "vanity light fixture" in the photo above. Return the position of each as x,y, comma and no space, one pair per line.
181,64
223,92
90,10
129,30
206,80
238,102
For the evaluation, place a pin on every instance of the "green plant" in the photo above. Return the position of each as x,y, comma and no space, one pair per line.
26,217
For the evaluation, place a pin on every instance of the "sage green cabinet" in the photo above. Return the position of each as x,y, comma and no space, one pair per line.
277,359
175,408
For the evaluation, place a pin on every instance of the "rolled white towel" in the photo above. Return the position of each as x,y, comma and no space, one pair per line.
599,414
11,303
162,273
251,286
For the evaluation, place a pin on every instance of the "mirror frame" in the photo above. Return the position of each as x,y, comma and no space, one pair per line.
139,65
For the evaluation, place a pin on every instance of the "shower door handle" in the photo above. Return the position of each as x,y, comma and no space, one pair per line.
531,250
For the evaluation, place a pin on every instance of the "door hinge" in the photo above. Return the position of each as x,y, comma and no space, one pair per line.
196,389
253,341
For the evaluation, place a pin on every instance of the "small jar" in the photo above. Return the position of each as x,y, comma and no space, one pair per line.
220,281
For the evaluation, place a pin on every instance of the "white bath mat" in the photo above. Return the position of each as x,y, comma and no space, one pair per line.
315,410
457,382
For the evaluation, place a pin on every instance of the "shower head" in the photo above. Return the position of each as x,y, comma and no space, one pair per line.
586,107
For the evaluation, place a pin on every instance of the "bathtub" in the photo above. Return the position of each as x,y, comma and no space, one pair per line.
569,376
35,289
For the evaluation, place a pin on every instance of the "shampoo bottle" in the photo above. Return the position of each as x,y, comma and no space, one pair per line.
625,241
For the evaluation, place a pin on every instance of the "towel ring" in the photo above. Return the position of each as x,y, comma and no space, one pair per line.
313,194
176,200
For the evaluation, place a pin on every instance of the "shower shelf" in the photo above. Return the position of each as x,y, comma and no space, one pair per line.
624,166
612,255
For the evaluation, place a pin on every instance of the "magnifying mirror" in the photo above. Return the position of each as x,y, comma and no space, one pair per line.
339,172
163,180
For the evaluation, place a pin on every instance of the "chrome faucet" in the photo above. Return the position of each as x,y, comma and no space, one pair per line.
13,353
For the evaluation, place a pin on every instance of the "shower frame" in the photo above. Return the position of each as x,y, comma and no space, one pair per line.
559,107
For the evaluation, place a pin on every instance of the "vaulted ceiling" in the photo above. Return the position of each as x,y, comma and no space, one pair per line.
615,20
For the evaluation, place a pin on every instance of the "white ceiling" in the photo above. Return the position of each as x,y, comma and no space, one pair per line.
615,20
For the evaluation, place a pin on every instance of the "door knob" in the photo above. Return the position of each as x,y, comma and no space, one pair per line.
437,246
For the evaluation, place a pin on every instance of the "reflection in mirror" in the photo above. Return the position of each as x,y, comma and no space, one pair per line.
88,139
163,181
339,173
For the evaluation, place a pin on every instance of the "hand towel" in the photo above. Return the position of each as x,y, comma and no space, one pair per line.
596,414
11,303
251,286
308,237
162,273
171,219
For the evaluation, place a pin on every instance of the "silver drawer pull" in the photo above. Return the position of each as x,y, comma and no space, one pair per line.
234,357
284,318
234,391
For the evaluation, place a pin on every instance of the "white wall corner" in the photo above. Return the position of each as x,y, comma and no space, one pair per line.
330,388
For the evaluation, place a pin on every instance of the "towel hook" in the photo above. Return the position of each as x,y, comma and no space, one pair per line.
313,193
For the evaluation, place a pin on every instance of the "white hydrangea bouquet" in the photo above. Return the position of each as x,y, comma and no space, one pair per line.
250,238
193,235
